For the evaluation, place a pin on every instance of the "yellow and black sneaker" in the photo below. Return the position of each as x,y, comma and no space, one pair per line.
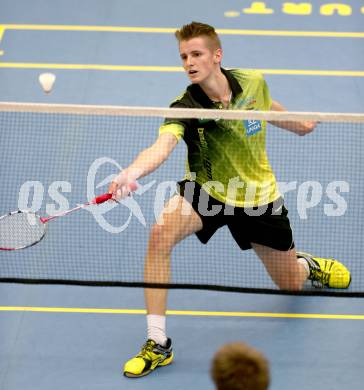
150,357
326,272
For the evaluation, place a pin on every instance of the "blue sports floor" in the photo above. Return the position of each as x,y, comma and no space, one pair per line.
124,53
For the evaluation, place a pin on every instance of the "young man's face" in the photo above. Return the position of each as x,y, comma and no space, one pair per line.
199,59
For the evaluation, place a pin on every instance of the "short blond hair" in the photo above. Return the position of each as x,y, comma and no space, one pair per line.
197,29
237,366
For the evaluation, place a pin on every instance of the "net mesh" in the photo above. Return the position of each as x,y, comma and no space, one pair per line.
55,156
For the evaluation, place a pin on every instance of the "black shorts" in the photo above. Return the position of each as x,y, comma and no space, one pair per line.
266,225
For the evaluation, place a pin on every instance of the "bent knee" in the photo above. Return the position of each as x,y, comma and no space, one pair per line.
161,238
290,283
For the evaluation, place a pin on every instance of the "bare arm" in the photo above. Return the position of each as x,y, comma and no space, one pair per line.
299,128
145,163
151,158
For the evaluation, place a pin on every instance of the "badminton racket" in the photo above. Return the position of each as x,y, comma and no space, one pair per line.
22,228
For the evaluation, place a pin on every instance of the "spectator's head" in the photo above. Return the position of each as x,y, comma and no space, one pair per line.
237,366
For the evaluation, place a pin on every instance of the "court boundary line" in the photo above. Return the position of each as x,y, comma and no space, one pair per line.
135,68
195,313
171,69
169,30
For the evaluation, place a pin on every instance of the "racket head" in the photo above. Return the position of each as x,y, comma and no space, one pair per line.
21,229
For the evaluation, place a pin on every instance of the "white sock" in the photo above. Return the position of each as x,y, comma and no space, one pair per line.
303,261
157,328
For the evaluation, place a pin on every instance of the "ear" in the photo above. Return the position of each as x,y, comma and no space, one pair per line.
218,56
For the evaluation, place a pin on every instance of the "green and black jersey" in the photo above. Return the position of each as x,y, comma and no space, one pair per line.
228,157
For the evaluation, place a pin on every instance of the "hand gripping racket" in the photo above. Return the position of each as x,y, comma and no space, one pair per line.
22,229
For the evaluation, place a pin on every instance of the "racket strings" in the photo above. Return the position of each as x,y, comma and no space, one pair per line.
20,230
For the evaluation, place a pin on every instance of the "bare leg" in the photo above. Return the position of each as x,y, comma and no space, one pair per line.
178,220
282,267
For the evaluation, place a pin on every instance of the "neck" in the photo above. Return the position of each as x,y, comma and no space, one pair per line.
217,88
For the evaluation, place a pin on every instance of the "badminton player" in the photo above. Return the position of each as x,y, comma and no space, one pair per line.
225,160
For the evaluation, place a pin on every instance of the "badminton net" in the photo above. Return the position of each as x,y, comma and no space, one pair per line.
54,156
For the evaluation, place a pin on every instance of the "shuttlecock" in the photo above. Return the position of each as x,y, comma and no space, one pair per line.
46,81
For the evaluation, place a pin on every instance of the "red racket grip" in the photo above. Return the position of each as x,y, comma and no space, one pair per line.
102,198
